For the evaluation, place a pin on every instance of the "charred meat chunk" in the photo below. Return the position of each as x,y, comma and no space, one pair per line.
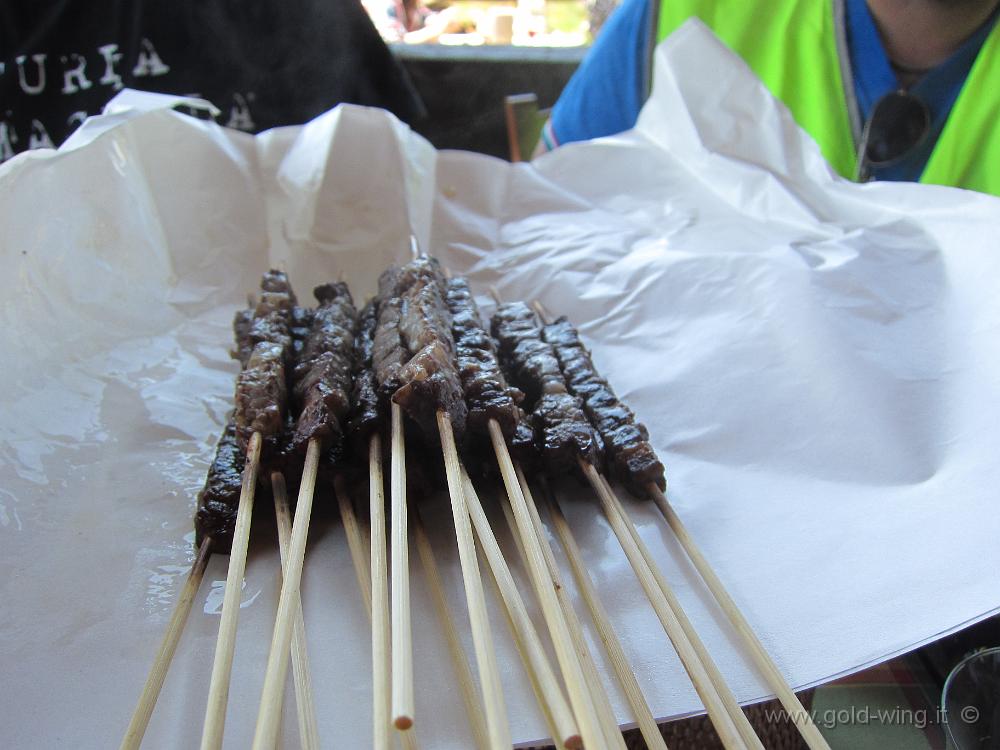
414,275
261,395
487,394
277,281
523,448
424,317
364,341
273,312
561,431
630,456
272,328
302,318
414,349
242,323
365,419
261,388
431,384
332,324
388,355
220,498
322,376
271,302
532,364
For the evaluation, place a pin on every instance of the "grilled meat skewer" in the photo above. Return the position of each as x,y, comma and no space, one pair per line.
261,390
487,394
561,429
217,502
365,417
631,458
323,372
414,352
263,343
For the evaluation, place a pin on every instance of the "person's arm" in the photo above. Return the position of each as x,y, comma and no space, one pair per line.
607,91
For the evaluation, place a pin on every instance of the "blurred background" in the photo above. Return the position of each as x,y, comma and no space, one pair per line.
466,56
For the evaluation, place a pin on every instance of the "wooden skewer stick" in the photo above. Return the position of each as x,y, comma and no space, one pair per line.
482,639
775,680
376,603
366,545
402,637
598,695
600,704
381,696
356,542
644,717
743,725
222,666
555,618
158,672
536,662
269,716
539,697
718,685
714,691
532,677
463,672
305,706
669,615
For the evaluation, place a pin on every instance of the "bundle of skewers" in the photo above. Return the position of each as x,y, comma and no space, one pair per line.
327,392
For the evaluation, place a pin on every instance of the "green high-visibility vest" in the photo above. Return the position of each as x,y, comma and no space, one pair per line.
796,48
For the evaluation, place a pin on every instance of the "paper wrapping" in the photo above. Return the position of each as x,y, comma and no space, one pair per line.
816,362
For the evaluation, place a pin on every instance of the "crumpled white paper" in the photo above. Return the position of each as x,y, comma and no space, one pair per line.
817,362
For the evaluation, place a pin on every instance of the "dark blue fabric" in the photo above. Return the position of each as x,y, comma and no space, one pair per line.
873,75
874,78
607,91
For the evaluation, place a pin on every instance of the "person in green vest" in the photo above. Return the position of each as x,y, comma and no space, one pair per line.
904,90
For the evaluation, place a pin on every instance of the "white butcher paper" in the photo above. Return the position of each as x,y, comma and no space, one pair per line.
817,362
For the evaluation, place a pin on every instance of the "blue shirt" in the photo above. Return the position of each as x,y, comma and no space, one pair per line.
605,94
607,91
874,78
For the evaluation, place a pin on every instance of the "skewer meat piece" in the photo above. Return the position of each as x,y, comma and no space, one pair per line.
630,456
431,395
366,419
388,357
562,432
288,460
388,353
321,384
242,323
487,394
414,351
258,418
274,318
522,443
261,395
246,337
261,391
273,313
323,372
301,323
218,501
